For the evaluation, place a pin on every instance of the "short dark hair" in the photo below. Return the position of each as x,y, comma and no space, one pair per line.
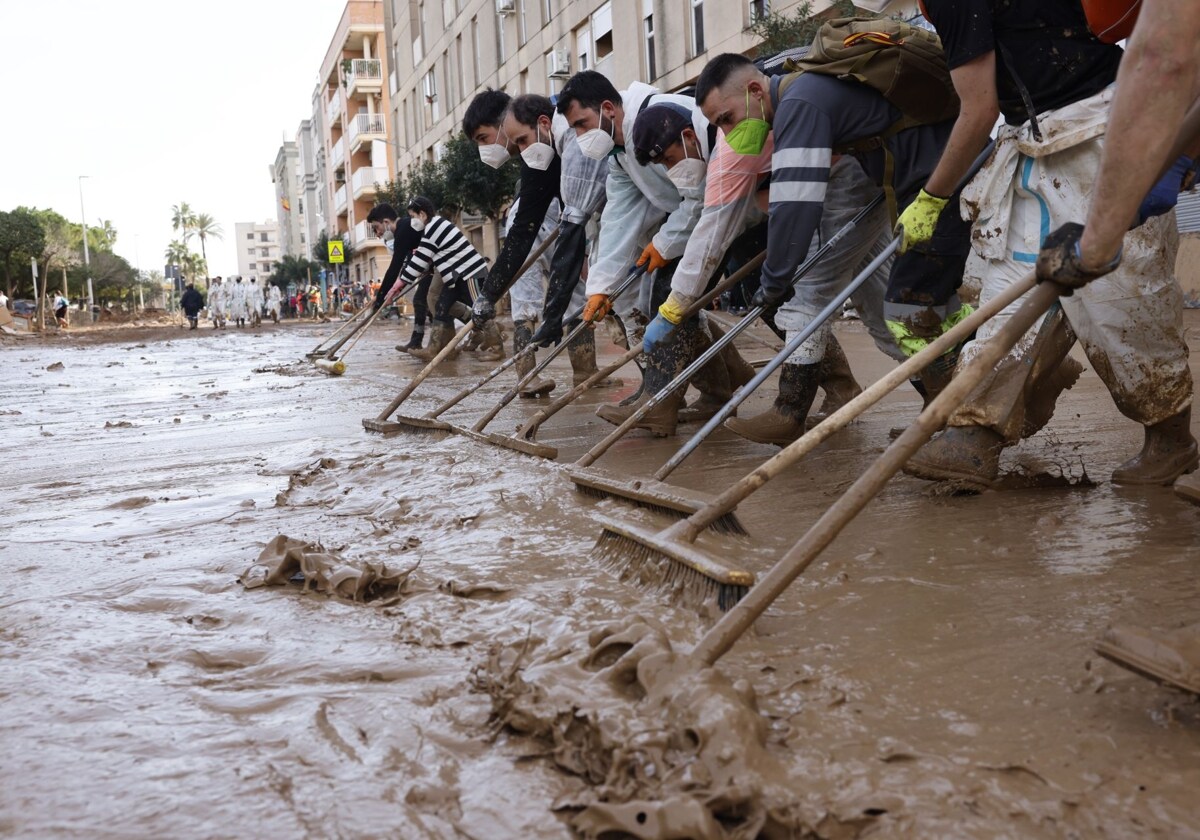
528,107
382,213
717,72
486,108
421,204
590,89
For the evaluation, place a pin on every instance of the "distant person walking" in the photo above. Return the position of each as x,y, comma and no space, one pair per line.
60,309
192,302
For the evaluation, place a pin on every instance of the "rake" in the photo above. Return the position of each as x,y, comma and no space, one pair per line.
680,502
381,423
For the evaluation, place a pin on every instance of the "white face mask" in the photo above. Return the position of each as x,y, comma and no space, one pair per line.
538,155
596,143
418,224
689,173
494,155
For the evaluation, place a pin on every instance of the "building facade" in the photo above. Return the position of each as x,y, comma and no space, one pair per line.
354,152
289,200
257,248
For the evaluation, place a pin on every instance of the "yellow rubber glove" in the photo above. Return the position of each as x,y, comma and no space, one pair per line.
918,220
652,259
597,308
673,308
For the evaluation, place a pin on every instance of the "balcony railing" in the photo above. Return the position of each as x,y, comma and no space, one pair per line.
339,153
366,177
339,199
367,124
364,70
364,236
333,111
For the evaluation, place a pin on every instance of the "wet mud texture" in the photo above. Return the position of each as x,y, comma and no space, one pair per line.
932,675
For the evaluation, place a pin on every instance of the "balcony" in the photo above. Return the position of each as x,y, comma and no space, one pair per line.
333,110
364,179
363,76
363,128
339,200
364,238
338,156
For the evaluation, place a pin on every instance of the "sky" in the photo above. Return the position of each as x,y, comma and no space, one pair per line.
157,102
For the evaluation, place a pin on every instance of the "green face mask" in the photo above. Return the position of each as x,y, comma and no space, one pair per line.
749,137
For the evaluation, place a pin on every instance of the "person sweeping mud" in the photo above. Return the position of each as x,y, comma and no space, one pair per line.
549,196
445,249
811,115
1157,84
1037,63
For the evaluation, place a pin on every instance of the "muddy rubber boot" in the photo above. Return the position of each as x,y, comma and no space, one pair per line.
1170,658
581,350
1169,451
537,387
783,422
717,381
439,337
414,341
837,381
967,456
664,362
491,342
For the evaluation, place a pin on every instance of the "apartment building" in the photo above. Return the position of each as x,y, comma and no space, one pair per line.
257,247
289,200
354,153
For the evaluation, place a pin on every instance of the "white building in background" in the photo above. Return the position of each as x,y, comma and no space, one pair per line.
257,248
289,199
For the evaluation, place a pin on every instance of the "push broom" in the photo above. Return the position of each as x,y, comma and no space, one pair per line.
671,557
523,440
336,365
429,422
381,423
678,501
354,321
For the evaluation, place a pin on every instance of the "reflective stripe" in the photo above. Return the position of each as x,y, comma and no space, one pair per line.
801,159
797,191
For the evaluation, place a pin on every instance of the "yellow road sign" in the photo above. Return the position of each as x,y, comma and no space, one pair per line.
336,252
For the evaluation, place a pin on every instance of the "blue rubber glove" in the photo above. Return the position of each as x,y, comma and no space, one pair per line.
656,331
1164,195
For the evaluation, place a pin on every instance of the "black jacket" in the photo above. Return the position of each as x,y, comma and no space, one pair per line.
192,302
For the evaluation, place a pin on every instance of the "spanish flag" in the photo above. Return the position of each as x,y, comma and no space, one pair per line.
286,205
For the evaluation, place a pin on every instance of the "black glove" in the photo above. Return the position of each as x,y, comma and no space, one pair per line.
549,333
482,312
1060,260
772,299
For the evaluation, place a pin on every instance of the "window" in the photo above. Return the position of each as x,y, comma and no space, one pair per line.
648,37
460,73
475,50
431,96
522,29
583,46
264,236
264,252
448,13
547,11
500,50
250,236
759,9
697,27
602,36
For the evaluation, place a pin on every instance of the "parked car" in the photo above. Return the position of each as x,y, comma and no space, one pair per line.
24,308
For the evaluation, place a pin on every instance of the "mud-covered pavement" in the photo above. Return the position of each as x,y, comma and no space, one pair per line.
931,675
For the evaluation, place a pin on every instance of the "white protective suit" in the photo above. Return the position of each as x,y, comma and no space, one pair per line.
238,311
254,301
216,303
643,206
1129,322
274,301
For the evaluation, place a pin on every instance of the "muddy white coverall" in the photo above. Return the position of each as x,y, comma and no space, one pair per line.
274,301
217,305
238,310
1129,322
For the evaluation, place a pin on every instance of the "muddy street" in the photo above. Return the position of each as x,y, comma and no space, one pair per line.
931,675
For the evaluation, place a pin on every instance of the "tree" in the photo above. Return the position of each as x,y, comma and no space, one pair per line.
428,178
471,185
177,253
21,238
206,226
320,252
780,32
63,245
290,269
113,278
106,233
183,220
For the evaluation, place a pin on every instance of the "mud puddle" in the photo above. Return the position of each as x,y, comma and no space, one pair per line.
931,675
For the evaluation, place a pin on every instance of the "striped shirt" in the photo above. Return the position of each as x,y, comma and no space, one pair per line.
447,251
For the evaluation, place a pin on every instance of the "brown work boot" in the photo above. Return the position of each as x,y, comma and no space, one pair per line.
717,381
1171,658
783,422
491,342
439,336
1169,451
581,350
837,381
967,456
536,387
660,421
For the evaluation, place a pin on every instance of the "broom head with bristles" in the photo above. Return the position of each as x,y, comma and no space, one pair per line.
677,502
687,575
424,425
383,427
520,444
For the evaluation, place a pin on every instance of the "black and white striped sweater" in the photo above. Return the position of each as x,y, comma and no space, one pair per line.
447,250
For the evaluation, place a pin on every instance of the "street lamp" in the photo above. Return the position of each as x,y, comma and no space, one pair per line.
87,264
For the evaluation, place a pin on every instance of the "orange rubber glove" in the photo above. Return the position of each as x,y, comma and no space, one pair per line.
598,306
652,259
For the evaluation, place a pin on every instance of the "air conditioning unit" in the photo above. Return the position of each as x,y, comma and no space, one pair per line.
506,7
559,64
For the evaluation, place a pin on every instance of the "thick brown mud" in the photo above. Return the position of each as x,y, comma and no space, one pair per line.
443,659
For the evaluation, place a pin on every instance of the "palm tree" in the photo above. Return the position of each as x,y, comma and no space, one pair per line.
183,220
205,226
177,253
109,232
